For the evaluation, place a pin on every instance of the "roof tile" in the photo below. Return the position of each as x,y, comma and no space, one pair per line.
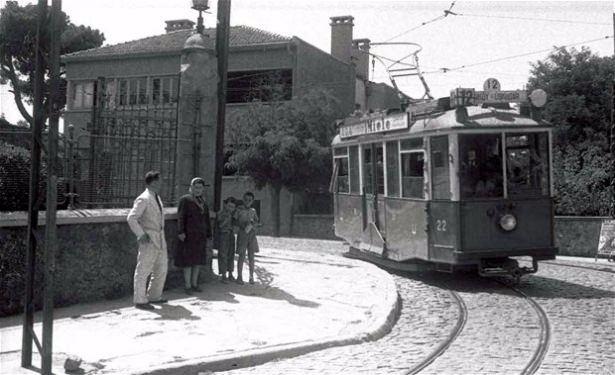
174,41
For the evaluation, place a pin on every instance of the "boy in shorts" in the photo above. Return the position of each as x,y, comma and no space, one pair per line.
246,219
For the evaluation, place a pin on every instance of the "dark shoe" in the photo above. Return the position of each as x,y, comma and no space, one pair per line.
188,291
252,280
160,301
144,306
223,280
231,278
239,281
197,289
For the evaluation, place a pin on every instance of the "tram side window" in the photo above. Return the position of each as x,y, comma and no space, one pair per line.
527,164
354,169
367,170
392,169
440,172
412,176
380,168
480,167
342,175
340,172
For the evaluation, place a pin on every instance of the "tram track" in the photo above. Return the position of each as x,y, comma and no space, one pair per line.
455,332
545,332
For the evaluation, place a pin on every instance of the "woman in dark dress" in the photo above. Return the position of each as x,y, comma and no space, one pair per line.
194,231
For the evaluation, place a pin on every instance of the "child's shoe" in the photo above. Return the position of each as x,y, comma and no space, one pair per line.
240,281
252,280
230,277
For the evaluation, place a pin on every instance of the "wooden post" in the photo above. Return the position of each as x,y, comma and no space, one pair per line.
33,203
52,182
222,47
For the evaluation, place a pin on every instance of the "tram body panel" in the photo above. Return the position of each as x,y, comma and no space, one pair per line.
406,229
348,217
444,224
481,231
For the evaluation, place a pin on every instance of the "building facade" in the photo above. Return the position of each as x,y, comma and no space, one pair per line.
138,83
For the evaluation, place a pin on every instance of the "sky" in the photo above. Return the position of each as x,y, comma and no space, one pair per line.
464,44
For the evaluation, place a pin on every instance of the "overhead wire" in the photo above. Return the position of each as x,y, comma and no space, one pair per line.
532,19
445,70
442,16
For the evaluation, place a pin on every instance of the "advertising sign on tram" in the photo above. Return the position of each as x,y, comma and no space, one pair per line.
373,124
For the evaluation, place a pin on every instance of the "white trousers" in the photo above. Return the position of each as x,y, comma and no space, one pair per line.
151,260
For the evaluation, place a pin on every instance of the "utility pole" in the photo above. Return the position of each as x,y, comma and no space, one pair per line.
612,138
28,335
52,183
222,47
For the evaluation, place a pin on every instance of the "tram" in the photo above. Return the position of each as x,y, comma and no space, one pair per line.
452,183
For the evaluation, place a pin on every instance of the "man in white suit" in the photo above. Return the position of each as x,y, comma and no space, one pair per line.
146,220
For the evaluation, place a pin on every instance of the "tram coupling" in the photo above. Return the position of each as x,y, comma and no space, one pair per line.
505,267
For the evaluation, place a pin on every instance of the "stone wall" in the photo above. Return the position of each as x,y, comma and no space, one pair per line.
314,226
96,256
577,236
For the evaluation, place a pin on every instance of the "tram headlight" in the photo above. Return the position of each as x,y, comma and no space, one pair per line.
508,222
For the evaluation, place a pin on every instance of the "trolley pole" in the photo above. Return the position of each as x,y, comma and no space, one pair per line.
222,46
28,335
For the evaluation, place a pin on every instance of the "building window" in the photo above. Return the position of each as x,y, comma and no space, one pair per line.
259,85
82,95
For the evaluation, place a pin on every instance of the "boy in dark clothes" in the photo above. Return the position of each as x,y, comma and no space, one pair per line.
226,228
247,219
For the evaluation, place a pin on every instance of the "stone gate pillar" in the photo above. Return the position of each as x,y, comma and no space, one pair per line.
197,115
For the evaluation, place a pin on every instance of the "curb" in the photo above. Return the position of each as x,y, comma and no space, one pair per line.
257,357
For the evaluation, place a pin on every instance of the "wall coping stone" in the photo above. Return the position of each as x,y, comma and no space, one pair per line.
315,216
65,217
583,218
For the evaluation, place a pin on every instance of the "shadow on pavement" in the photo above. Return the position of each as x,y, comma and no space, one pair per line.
533,285
305,261
263,288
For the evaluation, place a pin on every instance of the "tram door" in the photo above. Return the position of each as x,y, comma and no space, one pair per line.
373,186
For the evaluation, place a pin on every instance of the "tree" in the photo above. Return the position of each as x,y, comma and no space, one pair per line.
578,86
286,143
18,46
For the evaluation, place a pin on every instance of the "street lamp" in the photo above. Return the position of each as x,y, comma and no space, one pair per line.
201,6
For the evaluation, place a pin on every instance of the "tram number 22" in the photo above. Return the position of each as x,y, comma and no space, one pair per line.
441,225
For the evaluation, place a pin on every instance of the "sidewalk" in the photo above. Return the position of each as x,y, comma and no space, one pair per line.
301,302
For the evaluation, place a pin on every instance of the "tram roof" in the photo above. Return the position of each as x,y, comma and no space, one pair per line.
462,118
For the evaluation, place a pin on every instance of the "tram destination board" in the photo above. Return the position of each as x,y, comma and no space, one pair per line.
606,244
373,124
466,96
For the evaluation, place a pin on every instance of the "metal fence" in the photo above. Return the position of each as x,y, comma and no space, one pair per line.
124,143
103,168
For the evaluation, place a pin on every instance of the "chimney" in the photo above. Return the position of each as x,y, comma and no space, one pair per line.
341,38
174,25
360,53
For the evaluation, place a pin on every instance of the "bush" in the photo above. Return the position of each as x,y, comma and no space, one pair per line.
15,178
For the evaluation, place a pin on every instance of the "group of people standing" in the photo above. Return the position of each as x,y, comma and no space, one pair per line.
195,239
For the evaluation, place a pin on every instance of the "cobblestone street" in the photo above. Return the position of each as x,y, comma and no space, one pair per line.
500,334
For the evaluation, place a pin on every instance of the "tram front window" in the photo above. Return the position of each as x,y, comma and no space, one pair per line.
527,164
480,166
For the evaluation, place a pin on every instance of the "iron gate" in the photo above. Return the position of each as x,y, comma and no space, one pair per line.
124,142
